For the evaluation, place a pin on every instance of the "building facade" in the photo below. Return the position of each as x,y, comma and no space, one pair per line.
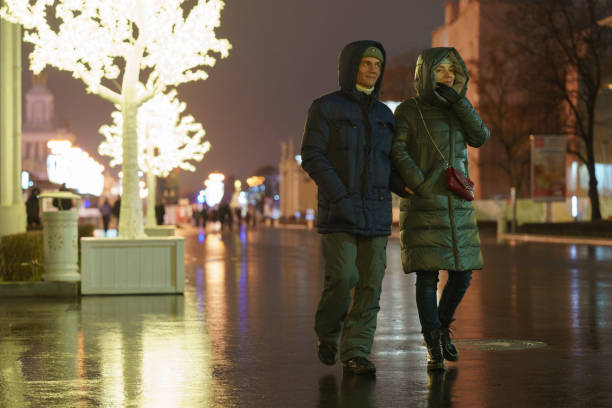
467,27
475,28
298,192
39,127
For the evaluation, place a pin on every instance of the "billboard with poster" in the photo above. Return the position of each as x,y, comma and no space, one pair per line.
548,154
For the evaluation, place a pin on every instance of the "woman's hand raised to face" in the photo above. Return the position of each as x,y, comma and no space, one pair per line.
447,93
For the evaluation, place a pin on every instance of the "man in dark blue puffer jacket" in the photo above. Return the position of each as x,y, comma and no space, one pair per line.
345,149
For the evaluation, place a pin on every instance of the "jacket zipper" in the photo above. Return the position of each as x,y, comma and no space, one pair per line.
451,209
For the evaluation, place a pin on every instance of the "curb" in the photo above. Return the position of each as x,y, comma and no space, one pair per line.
556,239
39,289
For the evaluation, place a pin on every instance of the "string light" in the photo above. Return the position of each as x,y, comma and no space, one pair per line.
165,139
149,45
74,167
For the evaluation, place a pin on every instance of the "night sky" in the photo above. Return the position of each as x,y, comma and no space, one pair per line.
284,55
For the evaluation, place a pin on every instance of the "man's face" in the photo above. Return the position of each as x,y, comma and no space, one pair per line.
369,71
445,73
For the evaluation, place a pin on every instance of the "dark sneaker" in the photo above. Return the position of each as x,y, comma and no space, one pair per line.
327,352
358,366
448,348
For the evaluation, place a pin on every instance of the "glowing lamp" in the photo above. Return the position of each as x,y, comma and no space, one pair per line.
255,181
201,198
59,146
574,206
214,189
25,180
243,199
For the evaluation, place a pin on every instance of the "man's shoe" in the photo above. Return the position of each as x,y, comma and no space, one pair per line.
358,366
448,348
435,359
327,352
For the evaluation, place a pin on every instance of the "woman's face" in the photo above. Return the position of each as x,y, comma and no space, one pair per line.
445,74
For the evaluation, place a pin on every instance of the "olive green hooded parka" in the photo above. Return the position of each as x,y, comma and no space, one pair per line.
438,228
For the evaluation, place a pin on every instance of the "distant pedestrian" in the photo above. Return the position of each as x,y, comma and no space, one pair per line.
238,214
160,213
226,215
204,215
438,227
345,149
117,210
105,211
252,216
33,209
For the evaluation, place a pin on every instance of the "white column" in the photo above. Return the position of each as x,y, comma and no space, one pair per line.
12,207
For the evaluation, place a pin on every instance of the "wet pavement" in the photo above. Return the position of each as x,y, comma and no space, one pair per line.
533,331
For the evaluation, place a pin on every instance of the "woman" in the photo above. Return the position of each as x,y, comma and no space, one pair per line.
438,228
33,209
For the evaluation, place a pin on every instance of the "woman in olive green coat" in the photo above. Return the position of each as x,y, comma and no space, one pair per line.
438,228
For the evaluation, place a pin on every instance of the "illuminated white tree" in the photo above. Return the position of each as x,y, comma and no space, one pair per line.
125,51
166,141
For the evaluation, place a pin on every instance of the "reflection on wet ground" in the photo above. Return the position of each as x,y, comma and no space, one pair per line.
533,331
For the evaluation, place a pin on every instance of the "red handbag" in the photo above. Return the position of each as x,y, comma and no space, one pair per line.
456,181
459,184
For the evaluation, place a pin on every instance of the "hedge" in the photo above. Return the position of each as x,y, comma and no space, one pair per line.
21,255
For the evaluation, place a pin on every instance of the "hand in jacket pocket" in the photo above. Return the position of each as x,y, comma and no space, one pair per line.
425,188
342,211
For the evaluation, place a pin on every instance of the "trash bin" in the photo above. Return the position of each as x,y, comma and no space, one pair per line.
60,239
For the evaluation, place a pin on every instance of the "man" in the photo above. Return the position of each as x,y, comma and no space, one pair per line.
345,149
62,203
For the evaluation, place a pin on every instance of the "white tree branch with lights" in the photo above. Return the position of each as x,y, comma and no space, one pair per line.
166,141
143,46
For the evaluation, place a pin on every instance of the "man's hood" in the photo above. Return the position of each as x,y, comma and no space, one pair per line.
348,64
425,78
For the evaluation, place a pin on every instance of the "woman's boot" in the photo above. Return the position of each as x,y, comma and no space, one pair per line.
448,348
435,359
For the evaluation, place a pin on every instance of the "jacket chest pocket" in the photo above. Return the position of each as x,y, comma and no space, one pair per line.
345,135
383,136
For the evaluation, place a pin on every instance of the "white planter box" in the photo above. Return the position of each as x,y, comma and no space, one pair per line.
160,231
132,266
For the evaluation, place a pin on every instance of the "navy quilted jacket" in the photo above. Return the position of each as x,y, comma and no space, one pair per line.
345,149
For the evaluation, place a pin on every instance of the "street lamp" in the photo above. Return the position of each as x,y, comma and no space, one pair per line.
214,189
255,181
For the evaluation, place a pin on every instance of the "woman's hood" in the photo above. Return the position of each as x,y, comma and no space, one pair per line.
425,77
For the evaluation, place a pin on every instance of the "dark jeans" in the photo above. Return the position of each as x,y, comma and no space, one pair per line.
432,315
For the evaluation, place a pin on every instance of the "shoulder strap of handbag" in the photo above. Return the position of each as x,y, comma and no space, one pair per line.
430,137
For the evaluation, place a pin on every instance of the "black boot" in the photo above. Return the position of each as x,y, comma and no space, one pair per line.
448,348
435,359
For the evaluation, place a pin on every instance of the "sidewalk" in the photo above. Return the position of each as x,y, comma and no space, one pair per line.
532,331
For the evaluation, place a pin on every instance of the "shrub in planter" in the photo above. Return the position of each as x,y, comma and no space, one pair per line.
21,257
85,230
